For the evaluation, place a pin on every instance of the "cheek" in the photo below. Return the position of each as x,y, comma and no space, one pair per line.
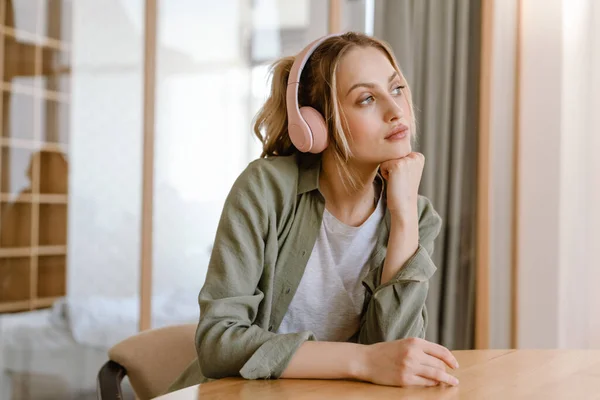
361,125
405,107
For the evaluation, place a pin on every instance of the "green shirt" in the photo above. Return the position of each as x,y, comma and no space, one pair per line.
265,237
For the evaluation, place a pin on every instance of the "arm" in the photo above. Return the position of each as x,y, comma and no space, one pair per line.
396,308
228,341
406,362
402,244
327,360
396,311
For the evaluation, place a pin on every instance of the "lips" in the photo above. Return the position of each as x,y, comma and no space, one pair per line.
398,132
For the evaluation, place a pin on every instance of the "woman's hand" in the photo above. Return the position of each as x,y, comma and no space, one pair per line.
403,176
408,362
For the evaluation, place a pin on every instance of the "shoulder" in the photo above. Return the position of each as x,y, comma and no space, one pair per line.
260,194
269,179
276,168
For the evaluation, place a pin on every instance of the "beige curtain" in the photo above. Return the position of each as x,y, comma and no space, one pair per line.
437,45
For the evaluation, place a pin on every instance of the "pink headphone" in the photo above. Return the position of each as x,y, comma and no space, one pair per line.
306,126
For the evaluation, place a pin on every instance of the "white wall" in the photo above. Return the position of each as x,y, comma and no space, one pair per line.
558,302
580,268
539,170
594,187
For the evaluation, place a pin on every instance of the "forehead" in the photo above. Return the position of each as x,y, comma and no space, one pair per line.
363,64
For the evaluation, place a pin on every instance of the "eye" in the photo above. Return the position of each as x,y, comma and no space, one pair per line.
398,90
367,100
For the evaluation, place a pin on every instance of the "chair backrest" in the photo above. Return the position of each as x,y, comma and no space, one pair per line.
155,358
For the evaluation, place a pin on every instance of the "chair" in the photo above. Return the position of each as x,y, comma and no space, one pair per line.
152,360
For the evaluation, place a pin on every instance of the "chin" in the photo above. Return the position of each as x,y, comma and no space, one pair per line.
398,150
402,150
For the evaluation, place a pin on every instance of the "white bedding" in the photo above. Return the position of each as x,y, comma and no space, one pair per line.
56,353
104,321
34,330
39,359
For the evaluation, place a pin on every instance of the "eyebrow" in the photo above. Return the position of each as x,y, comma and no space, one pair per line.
371,85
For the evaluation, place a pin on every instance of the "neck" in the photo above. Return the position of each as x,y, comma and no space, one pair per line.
350,206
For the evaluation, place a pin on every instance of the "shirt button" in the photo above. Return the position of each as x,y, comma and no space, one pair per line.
303,253
287,291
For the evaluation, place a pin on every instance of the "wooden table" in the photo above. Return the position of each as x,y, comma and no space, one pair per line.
483,374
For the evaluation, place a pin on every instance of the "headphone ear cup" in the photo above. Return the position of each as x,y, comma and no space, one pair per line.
301,136
318,129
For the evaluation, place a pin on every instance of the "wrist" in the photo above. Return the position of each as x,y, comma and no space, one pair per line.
405,211
359,366
404,220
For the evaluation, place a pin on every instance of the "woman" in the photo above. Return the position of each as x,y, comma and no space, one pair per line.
321,261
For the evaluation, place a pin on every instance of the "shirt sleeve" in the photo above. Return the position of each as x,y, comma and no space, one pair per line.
396,309
228,341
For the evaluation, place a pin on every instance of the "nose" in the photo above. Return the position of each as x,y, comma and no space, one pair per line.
394,111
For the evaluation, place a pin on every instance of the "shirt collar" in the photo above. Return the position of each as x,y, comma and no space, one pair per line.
309,169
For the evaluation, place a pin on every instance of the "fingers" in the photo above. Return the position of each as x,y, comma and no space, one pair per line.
440,352
413,163
417,380
398,162
385,173
415,155
387,166
434,362
436,374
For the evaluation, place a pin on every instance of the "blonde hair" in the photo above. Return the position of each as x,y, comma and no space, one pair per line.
270,123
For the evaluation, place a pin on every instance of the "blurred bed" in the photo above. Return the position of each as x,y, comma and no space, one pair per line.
56,353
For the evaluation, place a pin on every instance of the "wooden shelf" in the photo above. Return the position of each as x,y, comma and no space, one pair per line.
38,40
13,306
34,198
33,145
16,276
15,252
15,225
42,302
50,250
26,305
52,225
36,92
51,276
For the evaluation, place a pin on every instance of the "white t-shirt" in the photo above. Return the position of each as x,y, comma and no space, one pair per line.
330,297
